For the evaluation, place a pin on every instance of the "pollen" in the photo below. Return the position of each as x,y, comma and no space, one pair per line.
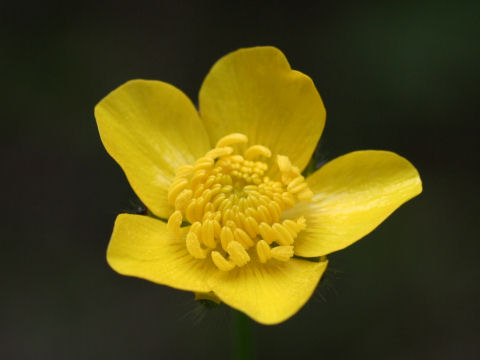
234,201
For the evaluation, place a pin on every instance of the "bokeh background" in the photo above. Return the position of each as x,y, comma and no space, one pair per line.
394,75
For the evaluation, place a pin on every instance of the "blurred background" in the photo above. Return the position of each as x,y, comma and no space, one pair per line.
396,75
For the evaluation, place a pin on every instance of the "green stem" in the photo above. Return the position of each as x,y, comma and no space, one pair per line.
243,346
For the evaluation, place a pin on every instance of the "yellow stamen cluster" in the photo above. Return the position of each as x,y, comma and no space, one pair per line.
234,208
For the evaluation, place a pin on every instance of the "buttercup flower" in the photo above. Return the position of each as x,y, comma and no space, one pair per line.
235,219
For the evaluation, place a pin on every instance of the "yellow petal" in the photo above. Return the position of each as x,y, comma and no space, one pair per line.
141,246
255,92
354,193
269,293
150,128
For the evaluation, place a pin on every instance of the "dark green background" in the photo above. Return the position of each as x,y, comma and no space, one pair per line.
394,75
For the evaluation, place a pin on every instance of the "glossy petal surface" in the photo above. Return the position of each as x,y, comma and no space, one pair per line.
354,193
254,91
150,128
142,247
269,293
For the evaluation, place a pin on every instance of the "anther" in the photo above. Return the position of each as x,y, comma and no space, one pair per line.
210,181
237,253
243,238
184,170
265,214
183,199
203,163
231,139
291,226
174,222
284,163
193,246
263,251
190,211
283,236
216,229
217,201
257,150
198,176
282,253
226,236
208,234
219,152
198,210
267,233
224,205
208,207
236,160
175,189
295,183
199,190
220,262
196,227
275,210
305,195
251,226
231,224
299,188
288,199
227,188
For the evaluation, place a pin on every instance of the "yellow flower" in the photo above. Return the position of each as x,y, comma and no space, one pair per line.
237,221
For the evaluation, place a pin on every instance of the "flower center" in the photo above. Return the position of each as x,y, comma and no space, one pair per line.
234,204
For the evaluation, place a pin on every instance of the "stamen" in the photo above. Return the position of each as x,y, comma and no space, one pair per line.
257,150
226,237
221,263
190,211
208,234
284,163
283,236
288,199
263,251
238,253
184,170
203,163
196,227
219,152
305,195
198,177
231,139
291,227
175,189
193,246
282,253
235,210
265,214
251,226
183,199
295,183
174,222
267,233
243,238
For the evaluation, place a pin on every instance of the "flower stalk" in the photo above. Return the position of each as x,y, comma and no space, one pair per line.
243,346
